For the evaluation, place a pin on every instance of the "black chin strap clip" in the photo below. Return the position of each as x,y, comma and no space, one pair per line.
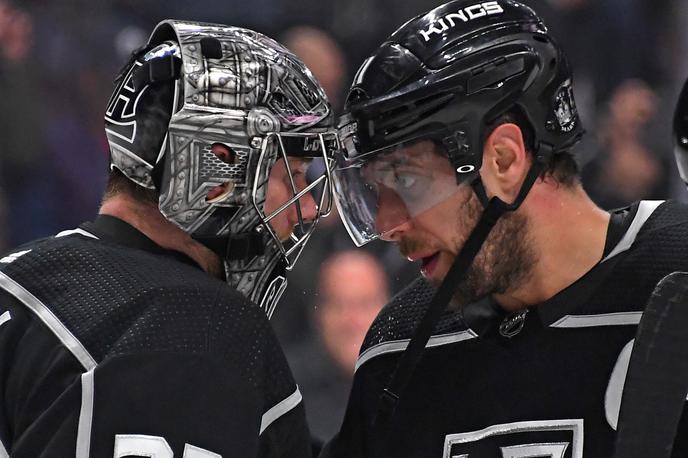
158,70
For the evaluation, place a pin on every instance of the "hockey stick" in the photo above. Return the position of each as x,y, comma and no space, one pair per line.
657,380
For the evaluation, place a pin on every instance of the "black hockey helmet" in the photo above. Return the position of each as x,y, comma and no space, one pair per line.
445,76
680,129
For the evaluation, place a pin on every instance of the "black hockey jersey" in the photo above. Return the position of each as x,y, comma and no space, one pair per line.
552,389
112,346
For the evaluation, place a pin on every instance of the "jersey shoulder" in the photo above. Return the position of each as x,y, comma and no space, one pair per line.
398,320
116,299
656,242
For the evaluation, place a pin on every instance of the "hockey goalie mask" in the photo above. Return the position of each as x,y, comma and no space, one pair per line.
224,122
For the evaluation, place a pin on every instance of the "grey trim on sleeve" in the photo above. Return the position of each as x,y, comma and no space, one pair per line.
3,451
83,437
396,346
280,409
5,317
49,319
602,319
645,210
76,231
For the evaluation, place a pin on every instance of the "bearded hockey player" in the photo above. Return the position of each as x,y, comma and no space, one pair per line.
458,135
135,334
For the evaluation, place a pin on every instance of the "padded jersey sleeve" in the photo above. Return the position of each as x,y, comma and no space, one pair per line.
171,403
167,403
122,350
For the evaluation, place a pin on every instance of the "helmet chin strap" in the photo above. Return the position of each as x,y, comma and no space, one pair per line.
494,208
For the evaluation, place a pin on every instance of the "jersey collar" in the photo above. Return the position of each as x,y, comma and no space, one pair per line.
485,316
115,230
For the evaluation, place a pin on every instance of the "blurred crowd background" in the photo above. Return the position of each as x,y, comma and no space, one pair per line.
58,60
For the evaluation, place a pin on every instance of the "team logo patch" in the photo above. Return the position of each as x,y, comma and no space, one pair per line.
565,107
121,109
542,439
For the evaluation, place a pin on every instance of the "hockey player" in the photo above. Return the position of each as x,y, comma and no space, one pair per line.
458,133
134,334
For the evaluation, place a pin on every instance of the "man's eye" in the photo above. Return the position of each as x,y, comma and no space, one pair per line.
407,181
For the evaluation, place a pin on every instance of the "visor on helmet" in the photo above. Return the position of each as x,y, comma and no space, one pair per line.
378,192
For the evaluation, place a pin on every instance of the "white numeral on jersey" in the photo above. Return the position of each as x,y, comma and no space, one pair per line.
154,447
543,450
555,450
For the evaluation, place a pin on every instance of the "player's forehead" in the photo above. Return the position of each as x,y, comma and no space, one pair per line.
421,153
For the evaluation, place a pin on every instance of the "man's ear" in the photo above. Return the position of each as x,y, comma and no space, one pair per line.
505,162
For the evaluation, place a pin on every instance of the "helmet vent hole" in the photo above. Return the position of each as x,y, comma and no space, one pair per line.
552,63
540,38
211,48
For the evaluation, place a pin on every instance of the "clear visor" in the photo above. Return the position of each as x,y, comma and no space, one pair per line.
293,187
377,193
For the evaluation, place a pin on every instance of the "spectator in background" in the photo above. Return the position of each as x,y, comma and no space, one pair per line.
321,53
324,57
20,121
629,166
352,288
351,291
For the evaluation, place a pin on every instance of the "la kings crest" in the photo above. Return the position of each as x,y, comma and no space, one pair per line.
528,439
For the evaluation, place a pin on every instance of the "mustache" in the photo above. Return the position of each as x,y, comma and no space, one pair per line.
407,246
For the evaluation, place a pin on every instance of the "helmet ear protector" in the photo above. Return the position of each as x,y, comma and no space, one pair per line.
203,114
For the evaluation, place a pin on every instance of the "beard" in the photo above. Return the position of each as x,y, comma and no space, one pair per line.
504,262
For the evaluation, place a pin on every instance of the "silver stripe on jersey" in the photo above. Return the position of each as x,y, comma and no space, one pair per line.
83,437
617,380
602,319
14,256
280,409
76,231
396,346
5,317
645,209
49,319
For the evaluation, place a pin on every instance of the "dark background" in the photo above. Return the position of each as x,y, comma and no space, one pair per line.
58,60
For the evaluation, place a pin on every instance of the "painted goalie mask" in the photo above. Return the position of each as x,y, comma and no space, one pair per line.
212,117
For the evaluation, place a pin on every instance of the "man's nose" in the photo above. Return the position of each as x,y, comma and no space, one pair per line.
309,210
392,218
